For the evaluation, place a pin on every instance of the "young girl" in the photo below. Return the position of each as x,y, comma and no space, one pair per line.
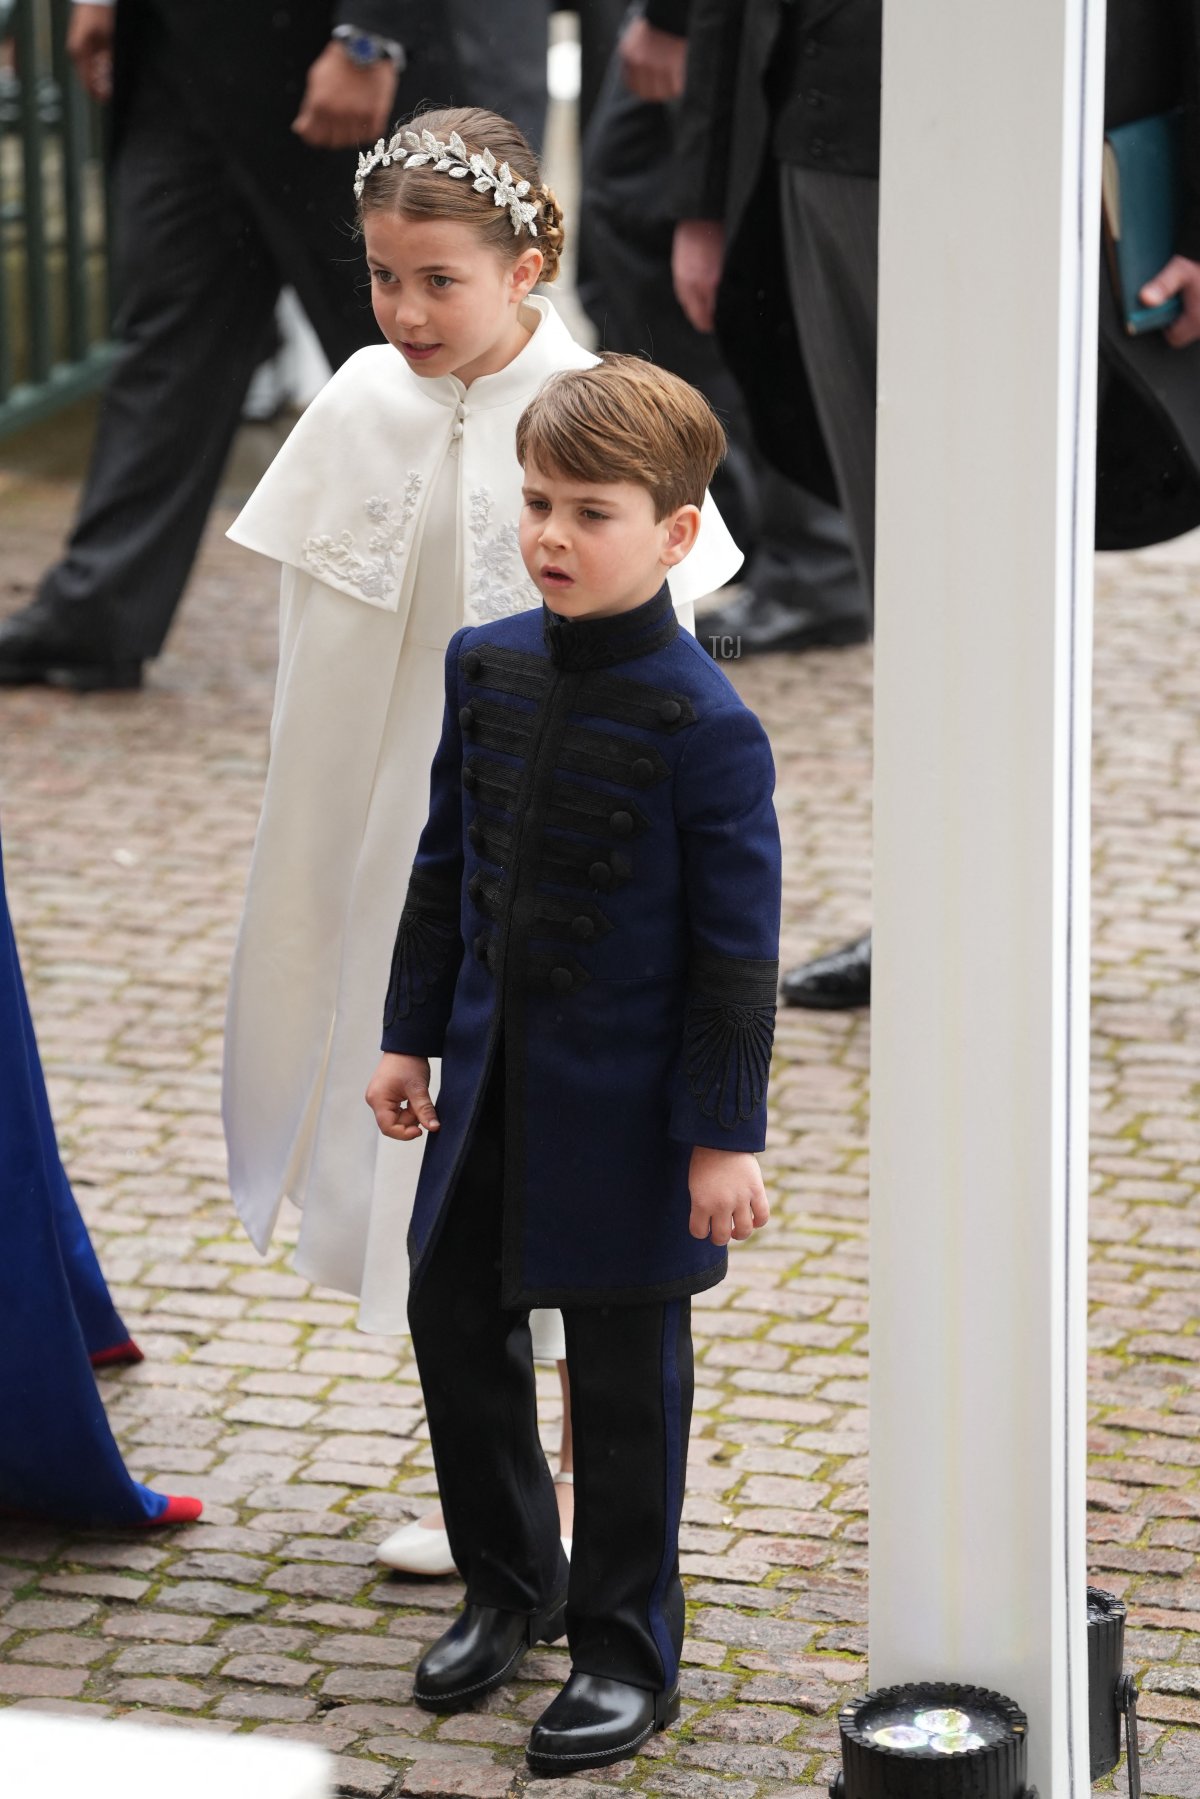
393,510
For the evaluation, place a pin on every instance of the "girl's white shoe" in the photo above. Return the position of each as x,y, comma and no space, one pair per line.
564,1478
415,1549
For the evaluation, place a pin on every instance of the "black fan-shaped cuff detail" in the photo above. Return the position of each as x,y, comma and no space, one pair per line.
427,936
728,1034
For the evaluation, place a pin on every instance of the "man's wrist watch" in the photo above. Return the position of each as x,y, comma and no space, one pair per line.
366,48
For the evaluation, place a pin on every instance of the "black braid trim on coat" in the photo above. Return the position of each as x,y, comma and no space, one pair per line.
608,757
489,725
506,671
625,702
564,861
554,915
492,783
593,813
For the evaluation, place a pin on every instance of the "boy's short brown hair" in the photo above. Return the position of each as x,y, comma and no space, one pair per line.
624,420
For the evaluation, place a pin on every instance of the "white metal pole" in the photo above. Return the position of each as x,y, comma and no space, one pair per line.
989,256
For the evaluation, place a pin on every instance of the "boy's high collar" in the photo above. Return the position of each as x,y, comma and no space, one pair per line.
577,644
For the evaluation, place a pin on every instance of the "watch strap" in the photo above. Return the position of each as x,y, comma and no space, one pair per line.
367,47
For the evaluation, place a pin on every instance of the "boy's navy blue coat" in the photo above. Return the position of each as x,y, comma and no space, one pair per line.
598,883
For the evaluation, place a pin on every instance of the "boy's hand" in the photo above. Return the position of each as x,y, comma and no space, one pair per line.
728,1196
399,1097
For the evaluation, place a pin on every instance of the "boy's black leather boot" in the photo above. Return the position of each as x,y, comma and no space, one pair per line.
595,1721
482,1648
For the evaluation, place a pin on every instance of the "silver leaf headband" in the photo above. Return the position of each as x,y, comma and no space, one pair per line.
410,151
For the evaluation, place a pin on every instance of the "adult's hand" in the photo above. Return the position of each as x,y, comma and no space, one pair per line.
653,62
344,105
1181,276
697,258
89,45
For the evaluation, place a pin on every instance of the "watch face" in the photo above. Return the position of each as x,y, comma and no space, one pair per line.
362,49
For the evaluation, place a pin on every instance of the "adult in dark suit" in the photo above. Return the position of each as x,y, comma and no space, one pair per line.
778,194
779,165
232,168
1148,449
801,585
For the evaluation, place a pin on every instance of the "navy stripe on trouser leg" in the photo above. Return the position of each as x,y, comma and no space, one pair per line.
476,1363
631,1407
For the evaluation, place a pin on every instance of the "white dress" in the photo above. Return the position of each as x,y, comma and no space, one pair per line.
366,614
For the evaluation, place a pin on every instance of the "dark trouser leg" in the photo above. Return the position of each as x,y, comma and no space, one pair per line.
798,546
476,1366
600,24
631,1408
803,556
304,211
203,244
831,244
198,292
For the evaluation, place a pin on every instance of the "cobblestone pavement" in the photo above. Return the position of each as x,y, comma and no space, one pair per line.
127,827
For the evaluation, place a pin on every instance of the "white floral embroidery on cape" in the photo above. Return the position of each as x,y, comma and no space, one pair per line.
499,584
377,573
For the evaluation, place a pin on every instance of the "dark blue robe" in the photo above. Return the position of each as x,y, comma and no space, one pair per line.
58,1457
598,882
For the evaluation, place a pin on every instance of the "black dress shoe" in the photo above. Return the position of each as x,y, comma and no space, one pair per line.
96,677
34,652
594,1721
835,983
482,1648
755,624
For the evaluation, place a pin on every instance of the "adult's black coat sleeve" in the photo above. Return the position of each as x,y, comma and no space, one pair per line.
705,142
668,15
1152,65
1148,450
395,19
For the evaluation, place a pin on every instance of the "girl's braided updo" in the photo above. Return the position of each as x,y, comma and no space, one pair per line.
423,193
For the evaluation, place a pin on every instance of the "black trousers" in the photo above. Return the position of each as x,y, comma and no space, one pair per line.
631,1405
798,547
203,245
830,229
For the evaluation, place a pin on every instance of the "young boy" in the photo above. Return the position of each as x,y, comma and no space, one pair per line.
590,943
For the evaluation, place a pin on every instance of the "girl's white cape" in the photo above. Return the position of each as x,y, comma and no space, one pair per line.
367,608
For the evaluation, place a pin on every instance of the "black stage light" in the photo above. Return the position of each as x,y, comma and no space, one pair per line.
932,1740
1112,1694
